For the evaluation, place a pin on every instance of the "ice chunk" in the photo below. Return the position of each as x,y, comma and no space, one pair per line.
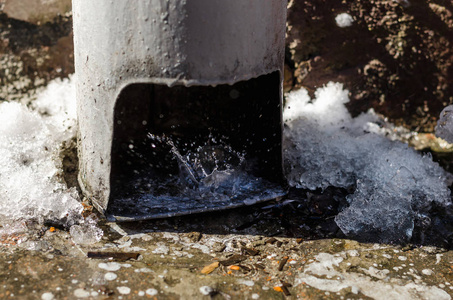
444,128
86,233
31,183
380,213
394,185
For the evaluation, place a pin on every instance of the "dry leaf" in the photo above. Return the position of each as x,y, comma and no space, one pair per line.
210,268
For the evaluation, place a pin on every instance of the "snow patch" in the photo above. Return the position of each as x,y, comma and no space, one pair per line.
344,20
30,141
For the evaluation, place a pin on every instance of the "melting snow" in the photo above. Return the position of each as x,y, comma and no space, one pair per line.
86,233
31,184
344,20
324,146
394,185
444,128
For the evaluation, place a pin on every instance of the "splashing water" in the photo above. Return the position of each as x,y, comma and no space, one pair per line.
212,176
201,168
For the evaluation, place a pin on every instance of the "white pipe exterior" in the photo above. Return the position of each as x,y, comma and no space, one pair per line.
193,42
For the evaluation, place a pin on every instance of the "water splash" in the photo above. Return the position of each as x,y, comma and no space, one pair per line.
211,176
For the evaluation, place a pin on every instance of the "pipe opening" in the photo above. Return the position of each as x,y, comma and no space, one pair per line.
184,150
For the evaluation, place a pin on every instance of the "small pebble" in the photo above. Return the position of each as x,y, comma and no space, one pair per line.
218,247
355,290
206,290
141,293
427,272
255,296
403,258
194,236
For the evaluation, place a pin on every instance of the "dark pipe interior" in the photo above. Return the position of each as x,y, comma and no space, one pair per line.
245,116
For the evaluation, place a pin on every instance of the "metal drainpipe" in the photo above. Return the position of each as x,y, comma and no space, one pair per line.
143,66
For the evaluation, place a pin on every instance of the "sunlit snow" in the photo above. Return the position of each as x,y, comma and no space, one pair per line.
394,186
31,183
344,20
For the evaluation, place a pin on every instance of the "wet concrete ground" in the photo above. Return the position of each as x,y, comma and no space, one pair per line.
253,253
226,258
